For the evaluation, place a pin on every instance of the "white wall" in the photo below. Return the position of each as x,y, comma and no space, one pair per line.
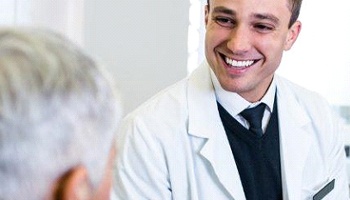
64,16
143,43
320,58
7,12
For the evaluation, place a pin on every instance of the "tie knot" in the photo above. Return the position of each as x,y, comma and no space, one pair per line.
254,117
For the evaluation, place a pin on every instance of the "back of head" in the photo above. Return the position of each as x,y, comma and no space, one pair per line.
57,111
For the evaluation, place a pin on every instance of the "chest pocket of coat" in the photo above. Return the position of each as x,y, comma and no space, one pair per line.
324,192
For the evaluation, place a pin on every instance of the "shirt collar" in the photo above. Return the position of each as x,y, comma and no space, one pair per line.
234,103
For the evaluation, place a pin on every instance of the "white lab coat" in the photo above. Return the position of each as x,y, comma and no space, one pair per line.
175,147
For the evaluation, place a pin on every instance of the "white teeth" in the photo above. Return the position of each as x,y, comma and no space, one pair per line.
239,64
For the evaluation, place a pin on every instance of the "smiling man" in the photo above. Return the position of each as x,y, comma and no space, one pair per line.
245,41
233,129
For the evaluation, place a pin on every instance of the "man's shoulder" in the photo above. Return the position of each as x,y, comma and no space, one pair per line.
168,102
173,101
160,117
308,99
297,90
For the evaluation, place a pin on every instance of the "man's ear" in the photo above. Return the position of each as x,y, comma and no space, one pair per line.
74,185
292,35
206,14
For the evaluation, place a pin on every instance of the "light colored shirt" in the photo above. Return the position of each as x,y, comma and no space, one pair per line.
234,104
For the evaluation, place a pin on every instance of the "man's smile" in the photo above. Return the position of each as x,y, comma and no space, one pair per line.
239,63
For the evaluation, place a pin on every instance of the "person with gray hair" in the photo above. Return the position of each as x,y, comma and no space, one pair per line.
58,117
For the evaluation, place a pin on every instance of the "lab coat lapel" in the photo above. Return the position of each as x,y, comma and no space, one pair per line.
205,123
294,140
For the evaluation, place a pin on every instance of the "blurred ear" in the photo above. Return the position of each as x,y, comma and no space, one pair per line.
74,185
293,34
206,14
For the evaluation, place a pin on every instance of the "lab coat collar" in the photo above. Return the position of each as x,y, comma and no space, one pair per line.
203,112
295,139
205,122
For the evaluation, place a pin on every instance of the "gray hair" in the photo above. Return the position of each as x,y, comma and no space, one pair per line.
57,111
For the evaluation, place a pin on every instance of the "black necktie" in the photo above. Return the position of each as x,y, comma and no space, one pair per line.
254,117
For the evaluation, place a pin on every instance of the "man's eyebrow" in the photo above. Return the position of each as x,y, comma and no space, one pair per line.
266,16
224,10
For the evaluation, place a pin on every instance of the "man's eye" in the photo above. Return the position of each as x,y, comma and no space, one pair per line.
225,22
264,28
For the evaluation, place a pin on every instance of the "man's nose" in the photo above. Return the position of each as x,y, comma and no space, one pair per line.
239,40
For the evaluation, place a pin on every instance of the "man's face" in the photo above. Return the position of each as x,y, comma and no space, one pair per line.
245,40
